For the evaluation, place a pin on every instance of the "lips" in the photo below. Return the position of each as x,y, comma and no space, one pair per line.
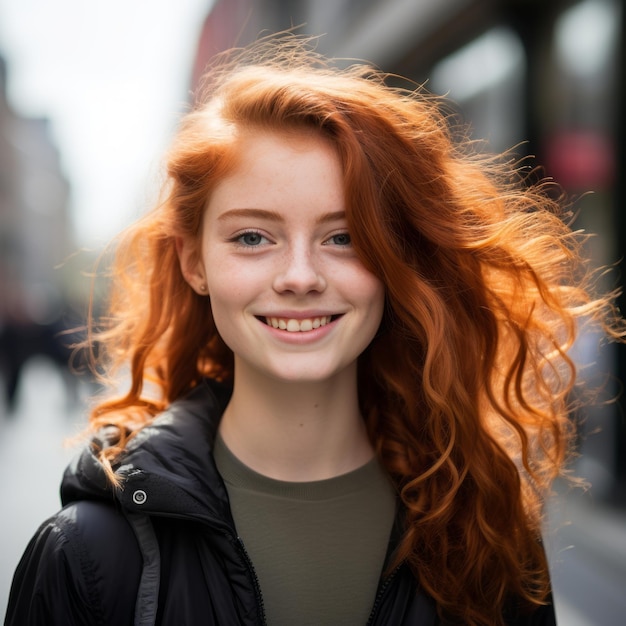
292,325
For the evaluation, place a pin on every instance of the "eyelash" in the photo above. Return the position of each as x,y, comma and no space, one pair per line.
238,239
342,245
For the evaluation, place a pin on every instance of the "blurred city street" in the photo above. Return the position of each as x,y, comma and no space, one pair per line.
33,456
588,553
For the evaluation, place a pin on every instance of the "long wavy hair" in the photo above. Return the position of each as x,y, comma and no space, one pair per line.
466,388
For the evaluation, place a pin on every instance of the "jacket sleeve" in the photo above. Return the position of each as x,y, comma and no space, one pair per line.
80,569
48,586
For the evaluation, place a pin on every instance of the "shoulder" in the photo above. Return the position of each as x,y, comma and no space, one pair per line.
82,566
98,533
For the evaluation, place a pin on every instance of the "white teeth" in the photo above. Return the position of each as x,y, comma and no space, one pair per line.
297,326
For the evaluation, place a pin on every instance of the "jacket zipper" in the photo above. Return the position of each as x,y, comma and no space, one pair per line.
381,594
255,579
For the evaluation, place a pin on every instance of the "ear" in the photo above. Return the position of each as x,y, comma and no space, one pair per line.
191,266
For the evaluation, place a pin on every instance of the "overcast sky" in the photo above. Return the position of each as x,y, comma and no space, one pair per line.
113,77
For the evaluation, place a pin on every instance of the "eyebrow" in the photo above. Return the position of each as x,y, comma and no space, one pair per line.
276,217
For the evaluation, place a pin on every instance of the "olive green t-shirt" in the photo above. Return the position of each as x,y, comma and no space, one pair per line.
318,548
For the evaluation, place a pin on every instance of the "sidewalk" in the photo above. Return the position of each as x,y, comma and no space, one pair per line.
586,546
599,528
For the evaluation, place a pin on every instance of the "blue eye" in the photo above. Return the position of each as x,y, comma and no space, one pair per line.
251,239
341,239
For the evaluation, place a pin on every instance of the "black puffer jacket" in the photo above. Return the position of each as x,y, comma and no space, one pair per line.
164,550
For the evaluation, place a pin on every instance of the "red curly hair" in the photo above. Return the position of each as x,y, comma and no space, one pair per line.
465,388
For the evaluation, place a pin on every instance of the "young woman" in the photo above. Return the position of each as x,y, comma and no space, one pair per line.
347,344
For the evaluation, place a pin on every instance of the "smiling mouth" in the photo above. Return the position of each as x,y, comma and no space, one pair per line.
298,326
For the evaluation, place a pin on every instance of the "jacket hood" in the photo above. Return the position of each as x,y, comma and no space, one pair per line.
167,468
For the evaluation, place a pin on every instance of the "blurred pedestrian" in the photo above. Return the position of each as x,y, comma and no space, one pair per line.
28,332
347,341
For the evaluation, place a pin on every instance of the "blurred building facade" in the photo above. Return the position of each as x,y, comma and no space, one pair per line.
545,77
35,239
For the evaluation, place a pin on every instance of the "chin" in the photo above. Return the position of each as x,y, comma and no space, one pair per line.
307,375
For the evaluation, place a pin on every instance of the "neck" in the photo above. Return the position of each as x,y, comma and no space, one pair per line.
296,431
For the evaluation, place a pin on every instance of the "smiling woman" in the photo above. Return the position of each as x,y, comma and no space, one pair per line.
347,339
275,245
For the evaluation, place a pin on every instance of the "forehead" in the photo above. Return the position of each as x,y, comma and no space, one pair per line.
276,170
255,148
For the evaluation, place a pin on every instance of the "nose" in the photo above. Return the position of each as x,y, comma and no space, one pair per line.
300,272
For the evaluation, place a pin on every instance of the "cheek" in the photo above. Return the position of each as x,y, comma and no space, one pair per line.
227,282
371,291
225,317
226,299
377,307
230,293
370,296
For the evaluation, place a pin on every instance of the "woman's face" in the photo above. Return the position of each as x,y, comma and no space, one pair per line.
288,293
